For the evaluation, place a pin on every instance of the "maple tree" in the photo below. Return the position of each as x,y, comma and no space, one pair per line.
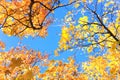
97,27
27,17
96,31
104,67
91,24
59,70
20,63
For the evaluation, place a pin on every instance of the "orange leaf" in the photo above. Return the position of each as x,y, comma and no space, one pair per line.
15,62
2,45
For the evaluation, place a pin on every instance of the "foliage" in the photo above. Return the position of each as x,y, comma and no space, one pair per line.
97,27
20,64
59,70
27,17
22,17
91,24
104,67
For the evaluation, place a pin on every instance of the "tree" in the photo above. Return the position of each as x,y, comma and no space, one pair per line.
59,70
104,67
97,26
29,17
91,25
20,63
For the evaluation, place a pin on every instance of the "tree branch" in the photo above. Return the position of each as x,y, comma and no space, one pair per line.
101,22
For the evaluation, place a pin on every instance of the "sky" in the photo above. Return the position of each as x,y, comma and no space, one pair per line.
44,44
48,44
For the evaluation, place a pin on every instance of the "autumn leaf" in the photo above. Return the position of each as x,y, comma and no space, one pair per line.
2,45
90,49
28,75
56,53
83,0
15,62
83,20
43,32
77,5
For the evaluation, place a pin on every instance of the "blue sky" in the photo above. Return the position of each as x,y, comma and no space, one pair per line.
48,44
43,44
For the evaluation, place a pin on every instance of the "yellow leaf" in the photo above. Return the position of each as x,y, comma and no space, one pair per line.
9,21
94,27
56,53
7,31
109,3
71,28
83,0
54,74
77,5
85,27
65,46
2,16
69,12
89,49
65,34
83,20
99,1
